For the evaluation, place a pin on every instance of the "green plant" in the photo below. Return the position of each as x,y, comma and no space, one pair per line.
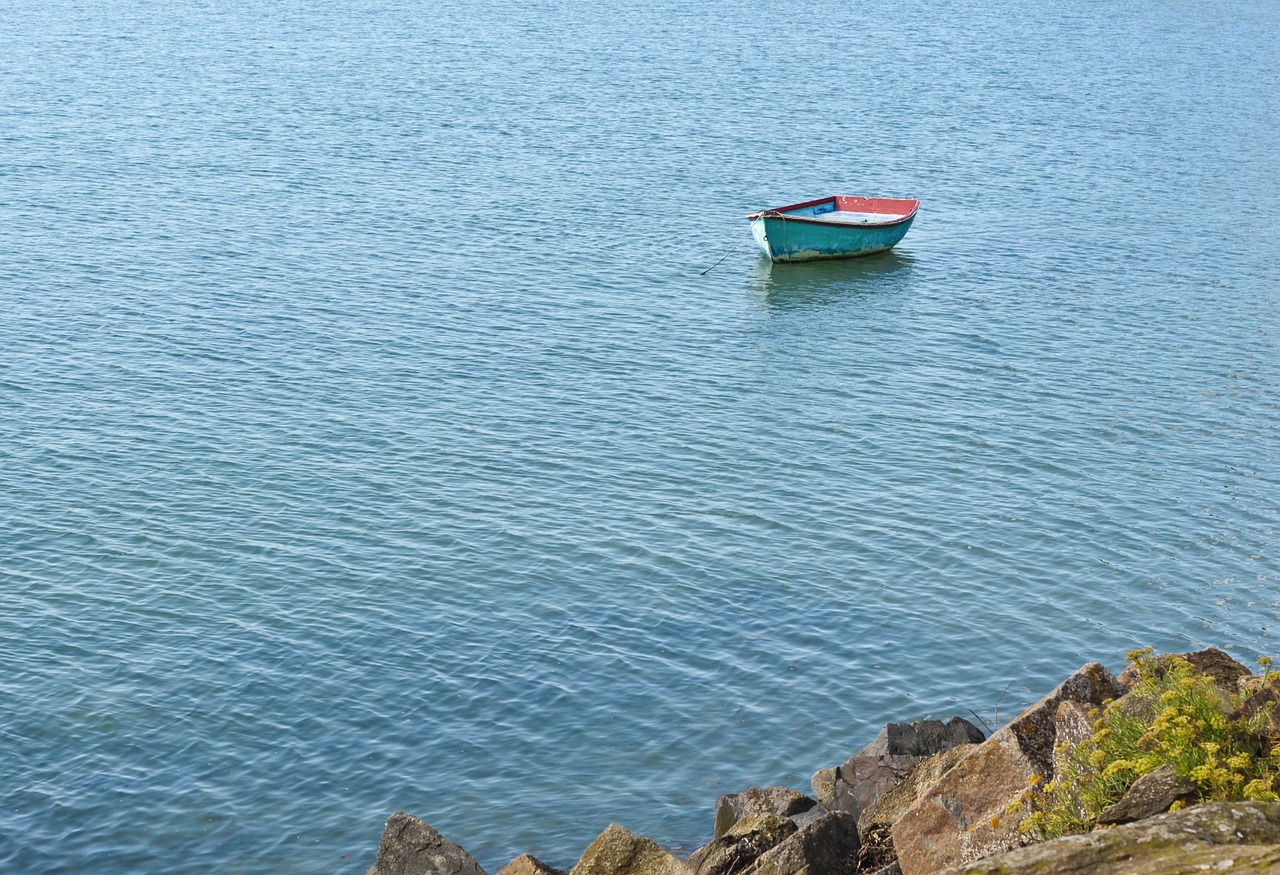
1171,716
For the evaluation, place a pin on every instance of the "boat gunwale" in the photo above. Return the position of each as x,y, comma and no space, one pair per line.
777,213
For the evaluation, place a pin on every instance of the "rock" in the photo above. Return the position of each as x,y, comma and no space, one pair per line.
864,779
890,757
892,869
965,815
1214,837
617,851
411,847
1225,671
529,865
758,800
823,784
896,802
1263,704
805,818
828,846
1072,723
1151,794
875,825
1036,727
1071,726
922,738
741,845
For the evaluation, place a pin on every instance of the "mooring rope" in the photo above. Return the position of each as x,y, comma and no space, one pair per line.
727,254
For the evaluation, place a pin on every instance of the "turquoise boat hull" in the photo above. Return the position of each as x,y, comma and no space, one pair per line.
834,227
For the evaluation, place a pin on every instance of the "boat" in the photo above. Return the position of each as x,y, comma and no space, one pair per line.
832,227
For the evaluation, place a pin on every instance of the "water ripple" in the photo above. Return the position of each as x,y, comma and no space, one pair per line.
369,439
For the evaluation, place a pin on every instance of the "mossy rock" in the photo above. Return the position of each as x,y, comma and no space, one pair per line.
617,851
1218,836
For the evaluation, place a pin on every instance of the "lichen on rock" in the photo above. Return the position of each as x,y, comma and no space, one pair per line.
1218,836
618,851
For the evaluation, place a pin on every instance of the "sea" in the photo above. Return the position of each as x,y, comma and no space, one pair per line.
374,435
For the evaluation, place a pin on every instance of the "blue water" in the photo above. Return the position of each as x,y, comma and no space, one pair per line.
369,439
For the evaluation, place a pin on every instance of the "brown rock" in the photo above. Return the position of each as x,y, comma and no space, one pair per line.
529,865
827,846
1263,705
1233,837
1225,671
966,814
890,807
758,800
617,851
892,755
411,847
741,845
963,816
1151,794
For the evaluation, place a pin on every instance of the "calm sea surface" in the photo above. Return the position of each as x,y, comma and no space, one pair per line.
369,439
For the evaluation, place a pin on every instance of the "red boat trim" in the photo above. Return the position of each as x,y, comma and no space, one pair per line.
890,206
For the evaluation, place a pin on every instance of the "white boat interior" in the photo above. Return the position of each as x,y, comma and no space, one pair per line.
844,217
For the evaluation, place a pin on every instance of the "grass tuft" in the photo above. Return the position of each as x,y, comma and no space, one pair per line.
1172,716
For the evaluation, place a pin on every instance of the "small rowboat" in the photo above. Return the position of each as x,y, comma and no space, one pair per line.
833,227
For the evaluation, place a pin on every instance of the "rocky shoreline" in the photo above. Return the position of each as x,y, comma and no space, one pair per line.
932,797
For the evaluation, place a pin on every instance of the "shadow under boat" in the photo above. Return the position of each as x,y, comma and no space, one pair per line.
816,282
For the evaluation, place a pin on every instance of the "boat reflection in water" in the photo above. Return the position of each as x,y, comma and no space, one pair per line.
817,283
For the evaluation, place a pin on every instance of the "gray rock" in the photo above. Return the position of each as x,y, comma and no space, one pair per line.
1151,794
782,801
922,738
805,818
828,846
411,847
1231,837
864,779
